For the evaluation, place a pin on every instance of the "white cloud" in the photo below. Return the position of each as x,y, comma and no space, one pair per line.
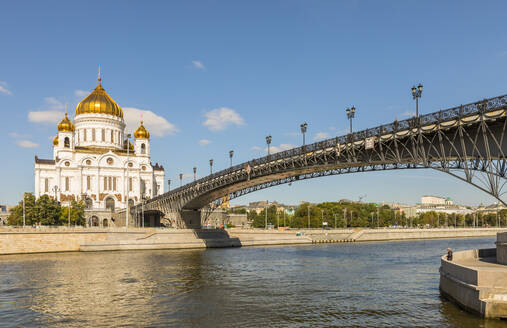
219,118
53,103
198,64
276,149
256,148
405,114
81,93
27,144
292,134
156,125
46,116
3,88
19,135
321,136
53,114
204,142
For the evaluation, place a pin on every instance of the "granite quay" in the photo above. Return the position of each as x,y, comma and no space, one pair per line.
477,279
62,239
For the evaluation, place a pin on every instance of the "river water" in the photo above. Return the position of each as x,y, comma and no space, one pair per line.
386,284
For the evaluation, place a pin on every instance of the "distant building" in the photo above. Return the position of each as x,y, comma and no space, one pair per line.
4,214
490,209
441,205
261,205
435,200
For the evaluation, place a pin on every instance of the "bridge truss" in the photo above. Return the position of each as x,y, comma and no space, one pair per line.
466,142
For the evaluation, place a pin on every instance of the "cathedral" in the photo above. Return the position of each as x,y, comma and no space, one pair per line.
95,161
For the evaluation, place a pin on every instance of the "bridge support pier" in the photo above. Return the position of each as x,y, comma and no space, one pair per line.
189,219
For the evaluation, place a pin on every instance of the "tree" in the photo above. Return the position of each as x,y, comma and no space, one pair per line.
16,215
47,211
76,213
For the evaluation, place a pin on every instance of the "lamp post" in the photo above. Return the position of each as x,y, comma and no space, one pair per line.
416,94
266,216
181,179
24,214
168,184
195,173
128,191
231,153
55,190
308,208
268,141
211,166
350,115
303,127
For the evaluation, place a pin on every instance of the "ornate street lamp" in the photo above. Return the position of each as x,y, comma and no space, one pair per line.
195,171
231,153
350,115
211,166
416,94
168,184
181,179
303,127
268,141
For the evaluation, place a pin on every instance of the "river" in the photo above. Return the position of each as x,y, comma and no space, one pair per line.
328,285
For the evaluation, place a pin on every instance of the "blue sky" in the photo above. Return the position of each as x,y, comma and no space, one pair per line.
219,75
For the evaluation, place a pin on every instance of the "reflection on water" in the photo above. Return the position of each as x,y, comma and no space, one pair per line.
368,284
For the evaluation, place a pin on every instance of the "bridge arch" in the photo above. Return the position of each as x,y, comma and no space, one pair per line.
466,142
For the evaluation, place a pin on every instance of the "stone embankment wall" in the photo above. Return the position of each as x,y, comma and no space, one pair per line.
476,282
501,248
30,240
358,235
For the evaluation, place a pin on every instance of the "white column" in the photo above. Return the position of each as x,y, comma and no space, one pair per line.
125,196
58,179
97,184
80,181
37,182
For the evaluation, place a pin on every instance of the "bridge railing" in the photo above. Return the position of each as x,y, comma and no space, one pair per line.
483,106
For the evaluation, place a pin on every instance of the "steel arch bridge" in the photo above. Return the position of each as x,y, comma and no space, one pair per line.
466,142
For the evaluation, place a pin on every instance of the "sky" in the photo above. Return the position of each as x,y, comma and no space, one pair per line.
214,76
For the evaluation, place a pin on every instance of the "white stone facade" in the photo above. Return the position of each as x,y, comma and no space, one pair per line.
91,163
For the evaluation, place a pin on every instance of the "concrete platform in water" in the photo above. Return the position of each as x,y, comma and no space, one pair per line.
477,279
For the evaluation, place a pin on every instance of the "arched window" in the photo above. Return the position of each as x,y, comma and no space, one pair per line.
94,221
66,142
143,148
110,203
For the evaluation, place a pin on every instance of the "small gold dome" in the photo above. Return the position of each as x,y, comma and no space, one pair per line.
55,141
99,102
65,125
141,132
131,146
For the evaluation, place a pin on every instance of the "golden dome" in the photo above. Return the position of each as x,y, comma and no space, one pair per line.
65,125
55,141
141,132
131,146
99,102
